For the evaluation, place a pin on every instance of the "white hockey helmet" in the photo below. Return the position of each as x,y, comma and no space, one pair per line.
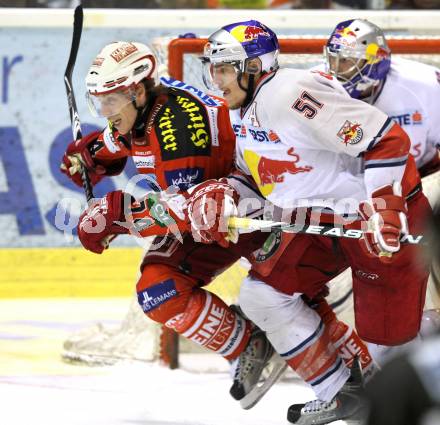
119,66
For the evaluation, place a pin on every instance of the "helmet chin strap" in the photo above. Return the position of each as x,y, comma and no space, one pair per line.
373,95
249,90
140,110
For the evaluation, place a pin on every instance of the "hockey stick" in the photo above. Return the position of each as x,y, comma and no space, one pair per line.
320,230
74,116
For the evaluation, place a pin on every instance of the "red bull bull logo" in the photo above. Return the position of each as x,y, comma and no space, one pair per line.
382,53
245,33
350,133
345,32
375,54
252,32
267,171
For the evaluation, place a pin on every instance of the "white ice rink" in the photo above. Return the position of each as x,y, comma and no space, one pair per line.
38,388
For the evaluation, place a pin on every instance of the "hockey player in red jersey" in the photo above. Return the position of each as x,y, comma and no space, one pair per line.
178,136
151,123
331,135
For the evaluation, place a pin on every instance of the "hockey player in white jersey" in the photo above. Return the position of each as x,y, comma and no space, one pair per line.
302,142
358,55
188,309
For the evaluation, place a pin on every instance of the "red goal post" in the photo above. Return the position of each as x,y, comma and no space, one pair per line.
178,47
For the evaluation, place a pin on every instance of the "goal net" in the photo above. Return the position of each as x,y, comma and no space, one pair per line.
180,57
137,337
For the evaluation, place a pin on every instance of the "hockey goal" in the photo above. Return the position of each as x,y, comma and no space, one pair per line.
180,57
138,338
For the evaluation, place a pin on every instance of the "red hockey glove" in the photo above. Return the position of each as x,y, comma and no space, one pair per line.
80,154
209,206
97,225
158,214
386,221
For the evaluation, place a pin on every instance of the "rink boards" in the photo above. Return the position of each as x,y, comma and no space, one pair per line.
75,272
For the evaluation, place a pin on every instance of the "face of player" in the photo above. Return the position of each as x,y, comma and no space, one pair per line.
225,78
118,107
345,68
124,119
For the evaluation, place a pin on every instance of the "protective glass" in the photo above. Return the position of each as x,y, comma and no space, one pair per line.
217,76
110,104
344,68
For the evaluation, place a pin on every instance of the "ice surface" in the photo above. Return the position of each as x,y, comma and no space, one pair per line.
37,388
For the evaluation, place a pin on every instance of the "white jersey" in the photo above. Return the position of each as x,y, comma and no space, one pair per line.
411,97
301,137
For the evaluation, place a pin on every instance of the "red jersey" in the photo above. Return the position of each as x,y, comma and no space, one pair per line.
183,137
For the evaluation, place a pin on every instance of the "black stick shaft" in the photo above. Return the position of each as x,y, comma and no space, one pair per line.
73,110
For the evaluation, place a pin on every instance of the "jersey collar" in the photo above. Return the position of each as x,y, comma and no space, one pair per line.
264,79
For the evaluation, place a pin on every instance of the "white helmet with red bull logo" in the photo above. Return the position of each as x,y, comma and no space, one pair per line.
236,44
358,55
116,70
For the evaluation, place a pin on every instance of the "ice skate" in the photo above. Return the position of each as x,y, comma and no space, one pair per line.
347,404
250,383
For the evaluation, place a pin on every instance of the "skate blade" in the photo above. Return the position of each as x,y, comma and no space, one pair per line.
257,393
87,359
96,359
